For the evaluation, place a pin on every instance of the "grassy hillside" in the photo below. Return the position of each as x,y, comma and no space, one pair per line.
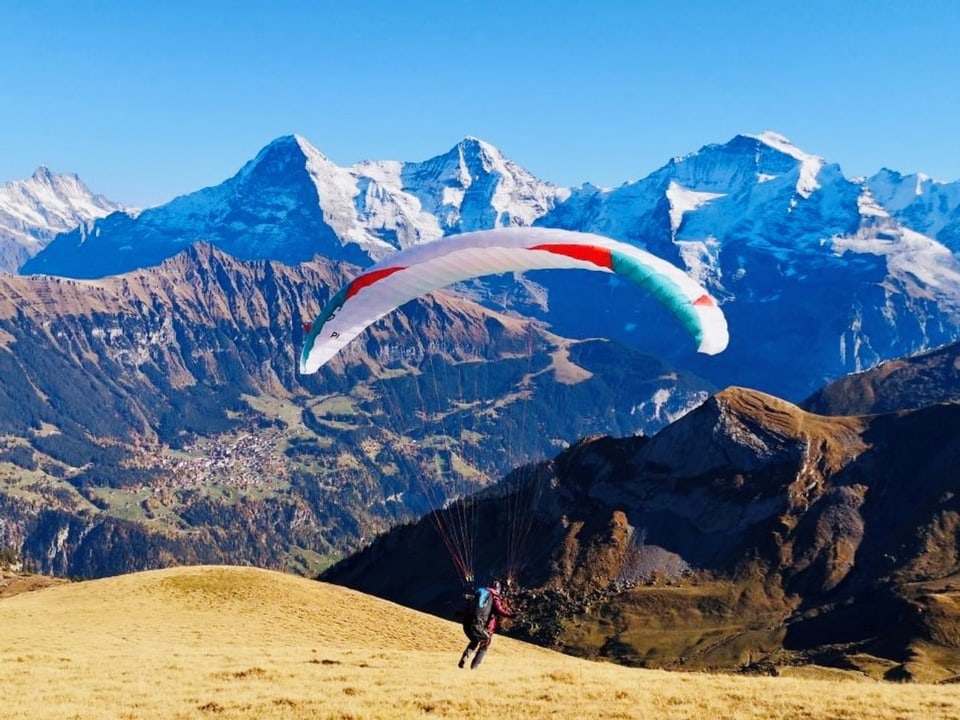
225,642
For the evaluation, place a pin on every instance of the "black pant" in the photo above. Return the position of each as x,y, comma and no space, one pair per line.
478,642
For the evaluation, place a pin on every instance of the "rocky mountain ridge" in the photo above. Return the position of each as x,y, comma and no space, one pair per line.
747,535
902,384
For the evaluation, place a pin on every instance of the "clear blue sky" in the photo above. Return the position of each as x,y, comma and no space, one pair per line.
147,99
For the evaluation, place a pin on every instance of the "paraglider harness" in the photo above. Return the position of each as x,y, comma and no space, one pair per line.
476,614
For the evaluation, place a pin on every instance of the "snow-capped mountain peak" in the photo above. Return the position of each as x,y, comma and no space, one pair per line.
473,186
343,197
380,206
281,155
925,205
42,174
475,154
810,165
34,211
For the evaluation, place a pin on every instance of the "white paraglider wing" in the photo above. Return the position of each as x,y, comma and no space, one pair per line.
424,268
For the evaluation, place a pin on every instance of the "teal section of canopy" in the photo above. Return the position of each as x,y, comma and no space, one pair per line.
334,304
662,288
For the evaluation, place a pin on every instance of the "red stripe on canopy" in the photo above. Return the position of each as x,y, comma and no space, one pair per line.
370,278
599,256
705,300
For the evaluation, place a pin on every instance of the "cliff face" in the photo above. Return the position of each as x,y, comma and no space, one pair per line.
747,535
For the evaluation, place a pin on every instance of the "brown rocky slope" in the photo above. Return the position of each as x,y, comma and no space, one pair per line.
747,535
901,384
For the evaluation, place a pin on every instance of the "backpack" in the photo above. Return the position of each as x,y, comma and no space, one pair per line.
483,605
479,608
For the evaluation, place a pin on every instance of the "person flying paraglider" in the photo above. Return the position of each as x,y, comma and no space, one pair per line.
486,607
425,267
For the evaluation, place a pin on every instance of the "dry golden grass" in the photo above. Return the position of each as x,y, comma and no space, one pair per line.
220,642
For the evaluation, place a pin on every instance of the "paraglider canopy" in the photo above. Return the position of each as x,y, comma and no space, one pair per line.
421,269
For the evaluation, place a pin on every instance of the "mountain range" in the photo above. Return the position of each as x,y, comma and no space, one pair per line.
151,412
835,273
